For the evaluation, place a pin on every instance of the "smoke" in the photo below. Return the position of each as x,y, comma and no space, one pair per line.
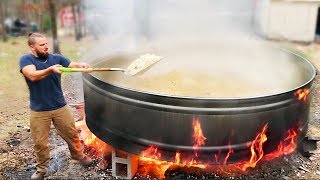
125,24
201,19
201,41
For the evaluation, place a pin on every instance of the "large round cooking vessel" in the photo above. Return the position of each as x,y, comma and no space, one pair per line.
133,120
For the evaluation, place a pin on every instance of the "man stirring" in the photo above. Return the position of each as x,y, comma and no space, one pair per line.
47,103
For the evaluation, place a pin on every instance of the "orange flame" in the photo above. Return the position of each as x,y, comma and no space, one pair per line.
152,153
90,139
150,165
216,157
177,158
158,168
286,146
198,136
228,155
96,147
256,149
302,94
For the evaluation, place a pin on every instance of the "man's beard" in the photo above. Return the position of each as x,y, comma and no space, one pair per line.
42,55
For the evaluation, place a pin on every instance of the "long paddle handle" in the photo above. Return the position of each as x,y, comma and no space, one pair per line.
66,69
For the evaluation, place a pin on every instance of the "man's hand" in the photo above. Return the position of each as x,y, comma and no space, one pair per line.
55,69
86,66
83,65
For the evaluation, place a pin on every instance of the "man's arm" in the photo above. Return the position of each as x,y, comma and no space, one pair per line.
33,74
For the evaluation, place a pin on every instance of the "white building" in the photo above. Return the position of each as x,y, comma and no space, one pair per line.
293,20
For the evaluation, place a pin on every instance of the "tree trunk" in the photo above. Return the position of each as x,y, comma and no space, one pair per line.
56,48
41,8
2,26
76,21
40,21
79,24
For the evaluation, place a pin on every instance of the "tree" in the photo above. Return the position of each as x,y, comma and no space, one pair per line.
75,5
54,31
41,9
2,25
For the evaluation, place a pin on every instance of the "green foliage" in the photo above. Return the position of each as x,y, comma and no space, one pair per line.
46,22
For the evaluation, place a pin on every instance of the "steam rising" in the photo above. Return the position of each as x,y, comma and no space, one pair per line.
209,48
124,25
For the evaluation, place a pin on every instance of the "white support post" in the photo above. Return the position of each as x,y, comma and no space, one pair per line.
124,165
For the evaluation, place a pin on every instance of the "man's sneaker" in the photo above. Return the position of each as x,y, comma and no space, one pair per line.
86,161
38,175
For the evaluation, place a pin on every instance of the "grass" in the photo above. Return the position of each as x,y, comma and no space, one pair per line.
11,81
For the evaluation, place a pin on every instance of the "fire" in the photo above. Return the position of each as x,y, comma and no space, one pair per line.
153,167
287,146
188,163
90,140
302,94
97,149
158,168
150,165
256,149
198,136
177,158
152,153
150,162
228,155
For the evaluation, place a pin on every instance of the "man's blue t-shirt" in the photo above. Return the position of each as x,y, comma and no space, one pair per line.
45,94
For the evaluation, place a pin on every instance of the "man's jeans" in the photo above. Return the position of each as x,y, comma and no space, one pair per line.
64,123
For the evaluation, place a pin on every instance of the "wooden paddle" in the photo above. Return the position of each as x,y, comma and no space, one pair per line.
135,67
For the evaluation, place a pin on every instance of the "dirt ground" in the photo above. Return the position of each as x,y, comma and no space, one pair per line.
17,159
